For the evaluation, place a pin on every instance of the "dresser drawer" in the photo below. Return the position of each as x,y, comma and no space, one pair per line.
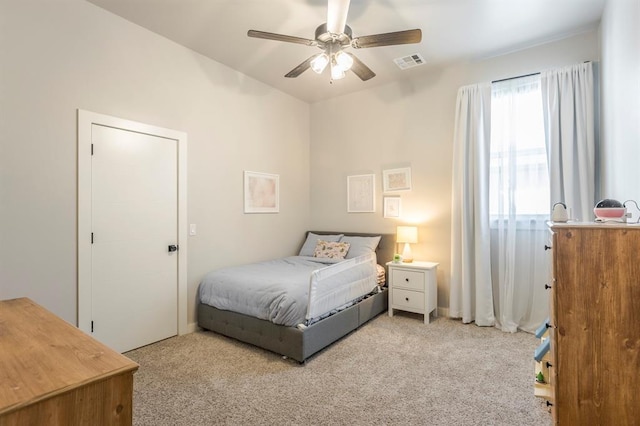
407,299
413,280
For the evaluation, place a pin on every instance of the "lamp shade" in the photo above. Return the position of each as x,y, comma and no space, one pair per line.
407,234
344,60
336,72
320,63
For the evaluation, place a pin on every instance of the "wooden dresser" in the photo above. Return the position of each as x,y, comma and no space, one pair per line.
595,324
51,373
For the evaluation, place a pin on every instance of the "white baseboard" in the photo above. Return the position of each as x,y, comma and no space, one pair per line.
192,327
443,312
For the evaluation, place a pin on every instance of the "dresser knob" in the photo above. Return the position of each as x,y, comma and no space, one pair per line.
406,279
406,298
546,247
547,286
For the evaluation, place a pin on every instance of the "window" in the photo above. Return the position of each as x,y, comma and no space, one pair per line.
519,175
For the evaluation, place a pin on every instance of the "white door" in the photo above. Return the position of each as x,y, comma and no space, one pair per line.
134,226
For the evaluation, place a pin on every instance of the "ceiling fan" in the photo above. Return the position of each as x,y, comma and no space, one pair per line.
333,38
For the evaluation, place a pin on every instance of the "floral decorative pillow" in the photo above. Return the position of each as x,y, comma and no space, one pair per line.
331,250
312,239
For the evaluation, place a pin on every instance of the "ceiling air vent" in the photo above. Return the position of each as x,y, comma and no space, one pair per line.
409,61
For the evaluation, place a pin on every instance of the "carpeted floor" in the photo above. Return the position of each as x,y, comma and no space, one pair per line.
392,371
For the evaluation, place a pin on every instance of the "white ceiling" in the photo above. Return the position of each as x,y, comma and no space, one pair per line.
452,30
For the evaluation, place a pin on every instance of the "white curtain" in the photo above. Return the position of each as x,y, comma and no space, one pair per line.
498,265
471,295
569,119
519,204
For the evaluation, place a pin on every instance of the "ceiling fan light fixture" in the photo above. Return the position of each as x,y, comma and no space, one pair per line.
320,63
344,60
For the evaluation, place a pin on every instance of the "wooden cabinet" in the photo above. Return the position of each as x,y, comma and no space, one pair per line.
413,287
51,373
595,318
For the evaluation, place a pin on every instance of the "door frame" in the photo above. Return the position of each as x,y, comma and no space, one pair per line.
86,119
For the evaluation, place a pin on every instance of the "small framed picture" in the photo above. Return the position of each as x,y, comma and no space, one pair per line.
361,194
391,207
396,179
261,192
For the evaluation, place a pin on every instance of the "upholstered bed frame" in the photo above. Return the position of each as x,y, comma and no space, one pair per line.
291,341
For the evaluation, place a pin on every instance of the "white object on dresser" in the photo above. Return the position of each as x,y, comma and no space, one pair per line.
413,287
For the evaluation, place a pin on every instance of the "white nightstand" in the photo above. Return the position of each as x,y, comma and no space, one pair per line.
413,287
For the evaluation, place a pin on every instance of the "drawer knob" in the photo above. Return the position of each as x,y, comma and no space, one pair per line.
549,404
406,279
406,298
546,247
547,286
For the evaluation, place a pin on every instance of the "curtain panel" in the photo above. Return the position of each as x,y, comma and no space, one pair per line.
519,205
471,287
569,120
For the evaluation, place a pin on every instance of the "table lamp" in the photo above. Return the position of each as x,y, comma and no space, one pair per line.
407,235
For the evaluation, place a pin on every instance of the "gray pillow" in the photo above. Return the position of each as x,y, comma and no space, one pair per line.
360,245
309,245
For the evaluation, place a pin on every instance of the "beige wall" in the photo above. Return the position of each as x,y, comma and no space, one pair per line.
401,125
58,56
620,29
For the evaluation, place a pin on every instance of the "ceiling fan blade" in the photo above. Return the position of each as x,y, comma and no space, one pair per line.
337,11
360,69
302,67
281,37
388,39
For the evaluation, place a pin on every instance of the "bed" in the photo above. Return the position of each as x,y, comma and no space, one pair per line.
295,331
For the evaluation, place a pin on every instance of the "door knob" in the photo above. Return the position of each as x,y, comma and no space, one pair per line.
173,248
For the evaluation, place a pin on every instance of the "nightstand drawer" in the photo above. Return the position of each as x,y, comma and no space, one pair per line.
407,299
413,280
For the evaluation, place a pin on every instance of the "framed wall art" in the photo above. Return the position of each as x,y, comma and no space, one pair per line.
391,207
361,194
396,179
261,192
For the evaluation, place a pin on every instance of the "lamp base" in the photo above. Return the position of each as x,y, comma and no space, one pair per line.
407,257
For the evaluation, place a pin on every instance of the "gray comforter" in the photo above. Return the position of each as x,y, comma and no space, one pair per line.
274,290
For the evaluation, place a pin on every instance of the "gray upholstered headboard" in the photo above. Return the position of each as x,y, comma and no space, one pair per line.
386,248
